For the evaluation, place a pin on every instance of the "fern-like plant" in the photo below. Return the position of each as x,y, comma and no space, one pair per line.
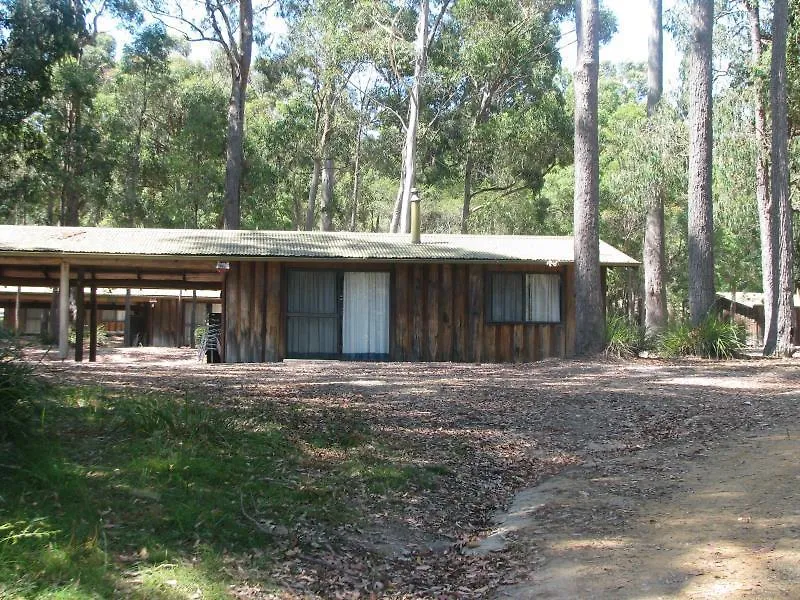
712,338
624,339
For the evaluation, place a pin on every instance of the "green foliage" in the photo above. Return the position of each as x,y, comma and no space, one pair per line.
678,339
34,36
713,338
624,339
102,335
20,388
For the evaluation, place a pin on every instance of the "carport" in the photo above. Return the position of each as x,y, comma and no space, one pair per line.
79,258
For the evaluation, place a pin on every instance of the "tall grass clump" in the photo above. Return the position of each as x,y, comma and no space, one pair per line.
19,389
712,338
150,414
624,339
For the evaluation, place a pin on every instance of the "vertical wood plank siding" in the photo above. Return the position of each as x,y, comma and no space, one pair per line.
253,315
439,314
167,323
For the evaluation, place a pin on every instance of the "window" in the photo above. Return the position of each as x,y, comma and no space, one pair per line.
337,313
524,298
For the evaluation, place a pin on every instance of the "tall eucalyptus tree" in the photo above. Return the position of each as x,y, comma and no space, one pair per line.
701,217
589,325
763,198
780,178
655,289
232,25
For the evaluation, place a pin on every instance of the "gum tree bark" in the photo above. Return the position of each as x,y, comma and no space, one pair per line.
655,292
780,177
701,215
766,215
401,219
589,326
239,49
327,208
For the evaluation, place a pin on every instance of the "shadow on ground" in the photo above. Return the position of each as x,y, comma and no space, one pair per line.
478,434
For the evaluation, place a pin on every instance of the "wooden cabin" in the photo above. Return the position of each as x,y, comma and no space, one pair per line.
341,295
747,309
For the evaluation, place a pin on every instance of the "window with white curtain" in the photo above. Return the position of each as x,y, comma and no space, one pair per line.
524,298
365,319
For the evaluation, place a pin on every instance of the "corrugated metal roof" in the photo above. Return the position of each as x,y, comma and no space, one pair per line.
751,299
221,244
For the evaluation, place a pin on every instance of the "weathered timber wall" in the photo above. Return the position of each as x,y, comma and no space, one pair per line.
253,321
437,314
440,315
167,323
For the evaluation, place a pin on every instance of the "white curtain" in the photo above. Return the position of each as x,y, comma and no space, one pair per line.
365,326
543,298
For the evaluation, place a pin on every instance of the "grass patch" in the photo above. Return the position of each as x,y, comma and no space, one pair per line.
146,495
20,391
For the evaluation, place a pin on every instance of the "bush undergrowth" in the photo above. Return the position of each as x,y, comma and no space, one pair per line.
624,339
20,389
713,338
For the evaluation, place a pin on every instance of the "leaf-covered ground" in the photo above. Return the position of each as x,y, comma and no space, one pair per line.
349,480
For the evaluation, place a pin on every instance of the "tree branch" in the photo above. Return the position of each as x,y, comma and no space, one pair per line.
437,23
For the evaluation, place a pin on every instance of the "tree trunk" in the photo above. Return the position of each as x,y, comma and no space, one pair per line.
394,224
410,149
234,158
70,198
234,147
312,193
465,208
766,214
701,218
469,163
780,176
654,262
589,325
133,175
326,223
655,57
357,165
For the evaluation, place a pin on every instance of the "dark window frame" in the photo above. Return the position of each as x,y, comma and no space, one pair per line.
339,274
490,280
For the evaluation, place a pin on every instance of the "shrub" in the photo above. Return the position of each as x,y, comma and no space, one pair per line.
677,339
19,388
713,338
102,334
719,338
624,339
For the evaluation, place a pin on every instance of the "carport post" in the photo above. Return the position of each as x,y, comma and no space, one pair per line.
127,337
63,312
80,317
16,311
93,324
192,322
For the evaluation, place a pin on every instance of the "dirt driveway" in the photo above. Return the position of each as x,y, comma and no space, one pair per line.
604,479
723,523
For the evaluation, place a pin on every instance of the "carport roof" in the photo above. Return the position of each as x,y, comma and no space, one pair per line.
31,240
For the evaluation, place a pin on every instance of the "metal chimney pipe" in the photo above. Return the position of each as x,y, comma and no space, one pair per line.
415,218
